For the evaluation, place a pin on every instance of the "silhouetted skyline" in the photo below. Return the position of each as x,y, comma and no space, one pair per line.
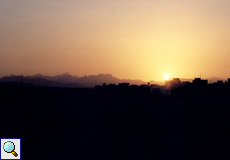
189,121
68,80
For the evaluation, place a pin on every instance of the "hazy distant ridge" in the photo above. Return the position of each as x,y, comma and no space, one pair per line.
67,80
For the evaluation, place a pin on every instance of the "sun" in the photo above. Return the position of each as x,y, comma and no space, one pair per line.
166,76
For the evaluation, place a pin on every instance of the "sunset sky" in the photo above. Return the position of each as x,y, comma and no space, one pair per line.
135,39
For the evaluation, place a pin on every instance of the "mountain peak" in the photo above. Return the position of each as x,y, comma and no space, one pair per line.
64,74
12,75
38,75
109,75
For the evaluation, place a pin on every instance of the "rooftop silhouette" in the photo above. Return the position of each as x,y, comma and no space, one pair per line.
121,121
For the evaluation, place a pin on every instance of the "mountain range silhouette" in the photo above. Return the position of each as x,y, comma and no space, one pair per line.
68,80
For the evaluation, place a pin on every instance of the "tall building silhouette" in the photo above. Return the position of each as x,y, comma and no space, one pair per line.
199,81
172,83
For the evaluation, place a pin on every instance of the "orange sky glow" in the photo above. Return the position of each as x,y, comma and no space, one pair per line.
135,39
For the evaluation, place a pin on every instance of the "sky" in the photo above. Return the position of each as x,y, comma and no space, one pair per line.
131,39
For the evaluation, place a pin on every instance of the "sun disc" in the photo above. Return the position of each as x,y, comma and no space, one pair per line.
166,76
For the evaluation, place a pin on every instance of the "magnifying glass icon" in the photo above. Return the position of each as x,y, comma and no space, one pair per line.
9,147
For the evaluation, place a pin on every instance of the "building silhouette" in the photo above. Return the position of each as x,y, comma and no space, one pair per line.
199,81
175,82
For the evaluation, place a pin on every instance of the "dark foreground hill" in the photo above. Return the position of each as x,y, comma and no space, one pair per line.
112,122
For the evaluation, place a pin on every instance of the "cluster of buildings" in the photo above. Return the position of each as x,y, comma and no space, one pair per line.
169,85
176,82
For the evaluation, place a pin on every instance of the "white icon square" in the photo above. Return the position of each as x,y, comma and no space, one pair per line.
10,148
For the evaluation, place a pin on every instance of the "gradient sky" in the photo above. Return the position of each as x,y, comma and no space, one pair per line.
136,39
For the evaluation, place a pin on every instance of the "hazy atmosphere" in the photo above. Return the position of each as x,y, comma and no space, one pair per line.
130,38
115,80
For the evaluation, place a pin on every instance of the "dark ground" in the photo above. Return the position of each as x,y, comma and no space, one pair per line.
117,123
